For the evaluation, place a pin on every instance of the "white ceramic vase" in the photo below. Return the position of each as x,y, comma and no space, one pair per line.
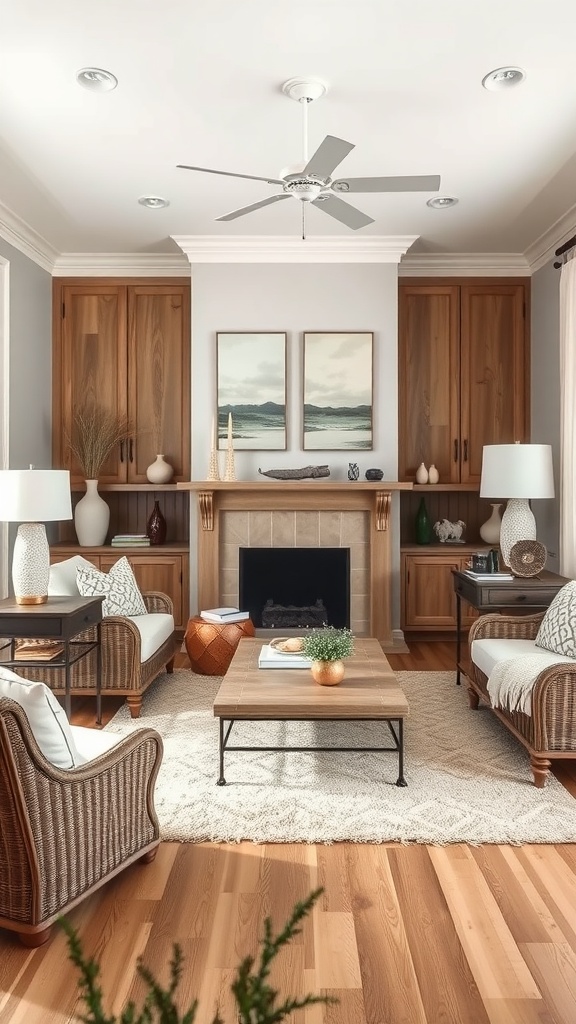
433,475
490,530
91,517
160,471
421,474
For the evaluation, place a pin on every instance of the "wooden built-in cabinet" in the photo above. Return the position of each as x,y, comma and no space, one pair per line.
164,569
463,373
124,346
428,600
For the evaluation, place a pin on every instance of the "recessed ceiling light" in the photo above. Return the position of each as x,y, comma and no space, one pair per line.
153,202
96,79
441,202
503,78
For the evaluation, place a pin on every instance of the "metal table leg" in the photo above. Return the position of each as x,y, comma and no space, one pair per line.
401,781
458,642
99,674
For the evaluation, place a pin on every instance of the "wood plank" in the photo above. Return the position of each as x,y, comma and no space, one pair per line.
553,964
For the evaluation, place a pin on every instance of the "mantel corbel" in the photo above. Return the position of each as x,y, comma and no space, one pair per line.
206,506
383,503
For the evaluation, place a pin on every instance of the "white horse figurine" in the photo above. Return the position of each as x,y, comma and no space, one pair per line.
447,531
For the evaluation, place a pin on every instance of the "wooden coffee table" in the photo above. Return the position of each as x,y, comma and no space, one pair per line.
369,692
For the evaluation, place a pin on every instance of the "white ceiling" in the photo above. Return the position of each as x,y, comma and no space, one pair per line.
200,83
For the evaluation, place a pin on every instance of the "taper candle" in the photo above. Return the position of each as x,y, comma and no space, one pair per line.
229,429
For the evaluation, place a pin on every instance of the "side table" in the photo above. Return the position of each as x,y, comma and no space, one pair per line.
211,645
60,618
531,593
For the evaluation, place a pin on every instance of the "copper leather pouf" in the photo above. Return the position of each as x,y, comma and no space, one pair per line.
211,645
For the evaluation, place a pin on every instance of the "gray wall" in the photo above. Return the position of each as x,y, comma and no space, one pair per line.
545,397
30,377
296,298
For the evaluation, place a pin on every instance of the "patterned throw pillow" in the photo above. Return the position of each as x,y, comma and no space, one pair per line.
122,596
557,631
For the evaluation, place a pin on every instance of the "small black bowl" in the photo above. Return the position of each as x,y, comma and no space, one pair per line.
374,474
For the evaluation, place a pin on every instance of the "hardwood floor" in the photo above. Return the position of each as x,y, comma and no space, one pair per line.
401,934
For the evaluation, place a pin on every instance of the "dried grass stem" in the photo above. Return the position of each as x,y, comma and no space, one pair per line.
95,434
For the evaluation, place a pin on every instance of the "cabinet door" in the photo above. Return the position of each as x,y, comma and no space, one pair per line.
493,354
155,572
429,379
89,366
430,601
159,377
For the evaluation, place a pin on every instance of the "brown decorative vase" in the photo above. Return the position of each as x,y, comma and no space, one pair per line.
156,527
327,673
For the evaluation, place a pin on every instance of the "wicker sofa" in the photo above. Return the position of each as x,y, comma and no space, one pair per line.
549,732
64,833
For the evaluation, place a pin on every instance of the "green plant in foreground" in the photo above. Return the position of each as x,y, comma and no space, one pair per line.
328,644
255,998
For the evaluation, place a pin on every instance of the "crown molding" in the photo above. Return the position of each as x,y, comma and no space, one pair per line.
541,251
464,264
121,264
18,233
287,249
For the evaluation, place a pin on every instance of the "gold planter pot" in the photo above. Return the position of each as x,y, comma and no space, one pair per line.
327,673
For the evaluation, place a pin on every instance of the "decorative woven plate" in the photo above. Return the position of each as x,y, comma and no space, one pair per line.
287,644
527,557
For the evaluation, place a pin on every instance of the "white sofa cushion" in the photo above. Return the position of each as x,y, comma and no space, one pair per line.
558,627
62,579
91,742
46,717
121,593
154,629
512,667
486,653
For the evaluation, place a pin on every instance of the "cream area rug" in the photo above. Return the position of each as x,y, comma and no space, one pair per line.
468,779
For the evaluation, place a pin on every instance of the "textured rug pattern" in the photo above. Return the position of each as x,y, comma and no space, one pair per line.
468,779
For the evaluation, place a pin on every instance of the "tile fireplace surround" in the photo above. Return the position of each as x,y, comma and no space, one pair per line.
299,513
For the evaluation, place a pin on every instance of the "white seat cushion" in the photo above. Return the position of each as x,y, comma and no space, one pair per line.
486,653
90,743
46,717
62,579
154,629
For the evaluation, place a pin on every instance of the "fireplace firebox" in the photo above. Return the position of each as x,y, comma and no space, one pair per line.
295,587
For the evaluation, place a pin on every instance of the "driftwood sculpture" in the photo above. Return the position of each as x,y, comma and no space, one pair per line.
296,474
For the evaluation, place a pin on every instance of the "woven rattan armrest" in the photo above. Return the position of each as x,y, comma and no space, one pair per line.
156,601
510,627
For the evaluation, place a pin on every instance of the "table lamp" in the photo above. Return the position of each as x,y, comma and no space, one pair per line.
32,497
517,472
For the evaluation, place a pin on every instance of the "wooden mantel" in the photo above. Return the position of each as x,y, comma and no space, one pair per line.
372,497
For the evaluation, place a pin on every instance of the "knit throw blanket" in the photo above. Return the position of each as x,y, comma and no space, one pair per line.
512,680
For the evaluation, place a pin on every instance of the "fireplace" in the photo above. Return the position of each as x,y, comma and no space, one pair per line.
285,588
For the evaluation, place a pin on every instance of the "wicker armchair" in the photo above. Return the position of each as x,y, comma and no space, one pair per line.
123,672
550,731
64,833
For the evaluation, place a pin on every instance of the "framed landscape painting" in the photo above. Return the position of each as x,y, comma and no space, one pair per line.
251,384
337,391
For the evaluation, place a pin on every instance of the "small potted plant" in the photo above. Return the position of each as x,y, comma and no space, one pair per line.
326,647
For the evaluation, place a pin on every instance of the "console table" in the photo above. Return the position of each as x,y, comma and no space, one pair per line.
60,619
530,593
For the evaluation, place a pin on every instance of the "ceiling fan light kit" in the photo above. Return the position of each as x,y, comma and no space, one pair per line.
312,181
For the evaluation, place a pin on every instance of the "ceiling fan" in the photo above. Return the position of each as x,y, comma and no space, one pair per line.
311,181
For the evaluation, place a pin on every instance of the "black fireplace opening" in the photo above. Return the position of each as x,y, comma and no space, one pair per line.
298,588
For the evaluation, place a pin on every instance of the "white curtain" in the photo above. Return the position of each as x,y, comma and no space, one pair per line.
568,419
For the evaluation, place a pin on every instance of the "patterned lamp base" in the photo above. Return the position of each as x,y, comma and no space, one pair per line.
31,564
518,523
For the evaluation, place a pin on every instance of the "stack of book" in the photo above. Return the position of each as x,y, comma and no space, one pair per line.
271,657
130,540
224,615
496,577
37,650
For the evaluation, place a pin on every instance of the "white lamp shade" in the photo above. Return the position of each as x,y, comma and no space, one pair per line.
34,495
517,471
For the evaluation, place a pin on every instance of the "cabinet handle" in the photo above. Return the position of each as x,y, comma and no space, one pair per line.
121,451
466,450
456,449
130,448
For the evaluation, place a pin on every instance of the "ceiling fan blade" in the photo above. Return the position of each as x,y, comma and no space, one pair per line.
254,206
231,174
328,155
342,211
401,183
